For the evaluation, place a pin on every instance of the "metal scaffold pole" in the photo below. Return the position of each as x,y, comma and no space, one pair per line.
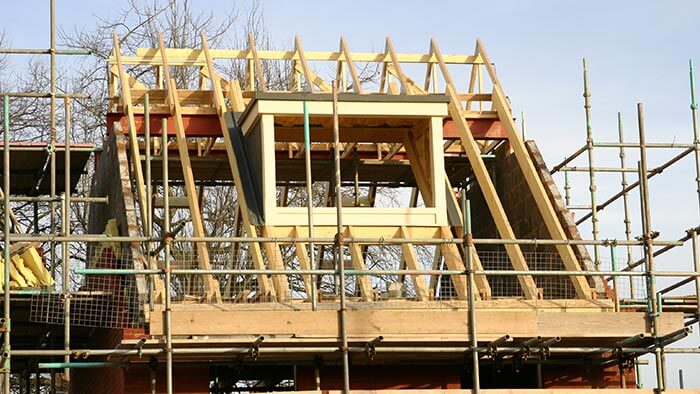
52,132
339,256
696,148
166,259
310,201
625,203
696,131
648,237
6,353
591,169
66,249
468,247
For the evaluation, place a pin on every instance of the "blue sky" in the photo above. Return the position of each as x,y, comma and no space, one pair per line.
637,51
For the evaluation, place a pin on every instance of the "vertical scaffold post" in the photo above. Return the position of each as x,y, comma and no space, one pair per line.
340,261
65,247
6,353
696,265
625,202
166,261
614,278
567,189
310,201
591,170
696,145
696,131
52,140
148,220
649,250
468,245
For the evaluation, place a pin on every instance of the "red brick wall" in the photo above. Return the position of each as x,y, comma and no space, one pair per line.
137,380
380,377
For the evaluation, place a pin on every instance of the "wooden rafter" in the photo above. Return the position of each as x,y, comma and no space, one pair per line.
133,140
409,256
211,284
254,72
302,254
544,205
347,56
407,84
357,259
255,250
312,80
483,178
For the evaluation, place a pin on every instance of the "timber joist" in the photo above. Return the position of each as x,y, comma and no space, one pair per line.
378,126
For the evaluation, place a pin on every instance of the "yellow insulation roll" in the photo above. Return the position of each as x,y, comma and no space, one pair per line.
15,276
32,260
26,273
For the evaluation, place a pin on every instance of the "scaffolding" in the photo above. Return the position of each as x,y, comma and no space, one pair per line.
138,277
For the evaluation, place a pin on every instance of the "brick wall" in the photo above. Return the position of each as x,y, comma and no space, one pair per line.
527,223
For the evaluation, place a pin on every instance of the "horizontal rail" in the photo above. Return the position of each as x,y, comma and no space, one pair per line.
185,57
129,271
334,349
83,364
329,240
599,169
58,198
636,145
44,95
13,51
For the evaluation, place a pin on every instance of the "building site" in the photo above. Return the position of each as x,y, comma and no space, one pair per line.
330,232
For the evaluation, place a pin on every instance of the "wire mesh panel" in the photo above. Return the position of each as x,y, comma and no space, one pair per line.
550,286
109,301
628,287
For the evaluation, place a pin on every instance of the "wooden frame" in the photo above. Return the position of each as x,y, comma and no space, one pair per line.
443,217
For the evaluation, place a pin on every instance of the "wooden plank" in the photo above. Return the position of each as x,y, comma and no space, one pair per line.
358,262
356,85
302,254
133,82
420,324
131,124
196,56
213,292
454,261
544,205
159,96
419,159
253,50
412,263
360,323
311,78
376,231
276,262
483,178
254,247
235,95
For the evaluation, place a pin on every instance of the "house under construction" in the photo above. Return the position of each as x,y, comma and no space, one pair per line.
402,235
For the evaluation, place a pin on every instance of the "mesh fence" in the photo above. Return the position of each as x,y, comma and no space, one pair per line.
110,301
117,301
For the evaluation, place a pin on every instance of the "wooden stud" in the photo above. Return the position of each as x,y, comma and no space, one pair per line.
483,178
255,249
544,205
133,140
302,254
356,84
357,260
412,263
257,64
211,284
